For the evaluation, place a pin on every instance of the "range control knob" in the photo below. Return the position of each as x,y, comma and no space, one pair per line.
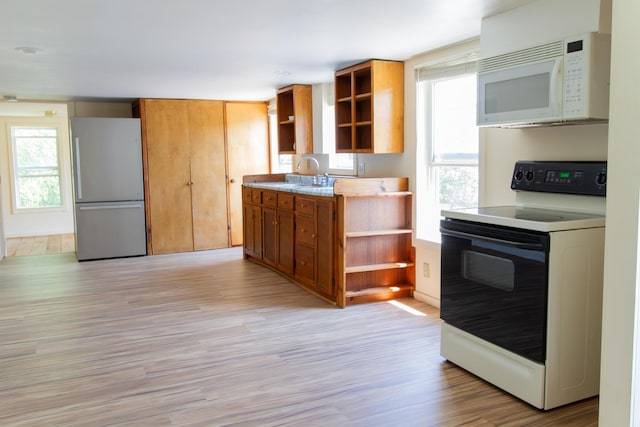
519,175
601,178
529,176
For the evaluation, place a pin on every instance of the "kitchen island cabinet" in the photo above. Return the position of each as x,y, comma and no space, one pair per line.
349,245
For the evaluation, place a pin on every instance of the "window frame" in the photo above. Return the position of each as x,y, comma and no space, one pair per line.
15,170
427,167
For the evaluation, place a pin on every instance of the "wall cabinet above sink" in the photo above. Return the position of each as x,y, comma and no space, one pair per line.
295,123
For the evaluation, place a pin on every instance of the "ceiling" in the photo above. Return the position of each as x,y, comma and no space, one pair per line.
214,49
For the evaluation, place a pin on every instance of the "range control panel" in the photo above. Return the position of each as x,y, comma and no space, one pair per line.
586,178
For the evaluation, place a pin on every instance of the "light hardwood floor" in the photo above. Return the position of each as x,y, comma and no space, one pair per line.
210,339
39,245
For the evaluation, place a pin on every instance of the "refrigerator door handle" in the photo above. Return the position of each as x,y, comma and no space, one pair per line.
78,177
97,208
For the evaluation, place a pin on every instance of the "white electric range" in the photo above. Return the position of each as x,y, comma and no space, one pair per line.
521,285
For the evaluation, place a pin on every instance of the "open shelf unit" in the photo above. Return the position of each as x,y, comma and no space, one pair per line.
369,105
295,126
374,243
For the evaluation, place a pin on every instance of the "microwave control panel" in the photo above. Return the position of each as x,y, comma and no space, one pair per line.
576,67
585,178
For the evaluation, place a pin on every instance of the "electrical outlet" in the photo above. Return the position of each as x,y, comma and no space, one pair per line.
426,270
361,168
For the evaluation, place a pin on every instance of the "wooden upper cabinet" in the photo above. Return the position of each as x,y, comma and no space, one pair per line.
369,108
295,123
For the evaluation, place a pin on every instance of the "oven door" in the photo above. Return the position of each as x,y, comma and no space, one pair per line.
494,284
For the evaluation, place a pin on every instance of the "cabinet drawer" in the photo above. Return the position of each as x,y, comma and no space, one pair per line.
305,206
270,199
305,230
285,201
305,267
246,194
256,196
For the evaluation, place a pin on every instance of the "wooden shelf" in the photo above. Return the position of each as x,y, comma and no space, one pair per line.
370,102
377,267
383,293
375,239
377,290
369,233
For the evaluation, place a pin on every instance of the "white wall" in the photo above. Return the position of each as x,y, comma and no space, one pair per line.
619,373
427,253
543,21
59,221
501,148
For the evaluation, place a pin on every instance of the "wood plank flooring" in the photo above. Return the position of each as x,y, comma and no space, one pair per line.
40,245
210,339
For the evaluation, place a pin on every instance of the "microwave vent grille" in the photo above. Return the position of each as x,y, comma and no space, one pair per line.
520,57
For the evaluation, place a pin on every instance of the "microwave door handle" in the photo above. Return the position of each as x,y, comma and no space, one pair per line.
518,245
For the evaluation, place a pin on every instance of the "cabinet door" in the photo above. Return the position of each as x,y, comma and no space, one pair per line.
270,233
325,265
306,230
252,223
305,265
168,176
285,242
208,175
248,153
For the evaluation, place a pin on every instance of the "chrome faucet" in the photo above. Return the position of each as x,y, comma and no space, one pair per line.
315,161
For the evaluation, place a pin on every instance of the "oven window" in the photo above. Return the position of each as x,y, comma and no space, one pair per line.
490,270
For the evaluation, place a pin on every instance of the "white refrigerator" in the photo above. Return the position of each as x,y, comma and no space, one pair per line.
108,188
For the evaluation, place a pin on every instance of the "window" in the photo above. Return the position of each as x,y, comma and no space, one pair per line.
36,167
448,141
339,163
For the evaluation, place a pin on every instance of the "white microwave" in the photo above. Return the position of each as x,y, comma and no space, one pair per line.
560,82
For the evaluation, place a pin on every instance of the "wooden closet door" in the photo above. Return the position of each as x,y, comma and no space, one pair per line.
169,181
248,153
208,175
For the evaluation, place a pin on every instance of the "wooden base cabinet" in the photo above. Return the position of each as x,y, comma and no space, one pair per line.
297,238
375,252
252,221
350,248
277,228
314,242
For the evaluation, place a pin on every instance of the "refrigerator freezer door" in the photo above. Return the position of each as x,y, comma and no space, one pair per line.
110,230
107,159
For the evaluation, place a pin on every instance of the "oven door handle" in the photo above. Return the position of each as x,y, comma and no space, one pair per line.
519,245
